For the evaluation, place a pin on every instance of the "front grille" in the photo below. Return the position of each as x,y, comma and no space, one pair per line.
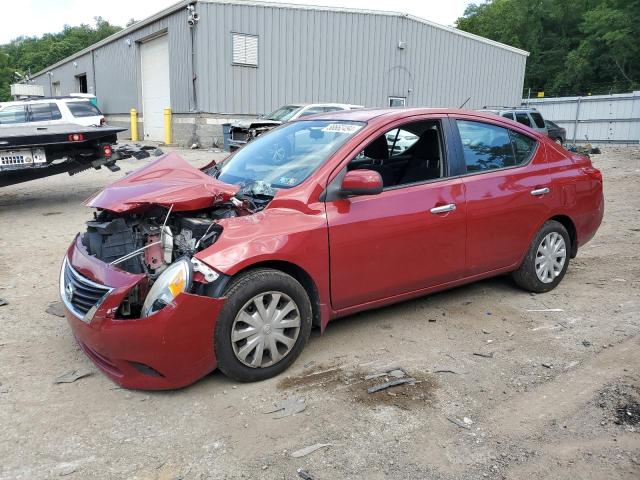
80,294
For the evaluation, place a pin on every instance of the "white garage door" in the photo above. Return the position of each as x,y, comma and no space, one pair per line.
156,94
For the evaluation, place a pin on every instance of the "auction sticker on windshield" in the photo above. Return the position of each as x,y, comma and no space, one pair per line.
342,128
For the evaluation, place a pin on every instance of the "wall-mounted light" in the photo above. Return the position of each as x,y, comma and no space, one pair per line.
50,74
402,45
128,42
75,64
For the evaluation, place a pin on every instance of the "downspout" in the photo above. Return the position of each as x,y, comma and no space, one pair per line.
93,70
192,20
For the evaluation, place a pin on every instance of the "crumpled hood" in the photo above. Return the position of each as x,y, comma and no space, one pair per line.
167,181
254,123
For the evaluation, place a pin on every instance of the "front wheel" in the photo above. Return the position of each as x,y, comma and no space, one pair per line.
263,326
547,259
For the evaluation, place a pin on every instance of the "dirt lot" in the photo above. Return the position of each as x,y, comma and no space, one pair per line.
553,394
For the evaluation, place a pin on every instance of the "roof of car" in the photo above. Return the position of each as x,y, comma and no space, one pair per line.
367,114
68,98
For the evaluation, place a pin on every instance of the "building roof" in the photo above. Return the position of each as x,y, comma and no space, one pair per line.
256,3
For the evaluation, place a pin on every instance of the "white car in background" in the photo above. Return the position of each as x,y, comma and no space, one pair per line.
243,131
51,111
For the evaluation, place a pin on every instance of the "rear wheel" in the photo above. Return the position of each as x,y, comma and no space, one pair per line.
263,326
547,259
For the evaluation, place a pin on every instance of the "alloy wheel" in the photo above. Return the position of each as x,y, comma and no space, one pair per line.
550,257
265,329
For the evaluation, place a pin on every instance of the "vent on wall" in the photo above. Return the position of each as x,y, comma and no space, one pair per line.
245,49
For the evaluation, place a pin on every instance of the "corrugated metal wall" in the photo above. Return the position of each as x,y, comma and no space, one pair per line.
305,55
600,118
318,56
66,75
117,68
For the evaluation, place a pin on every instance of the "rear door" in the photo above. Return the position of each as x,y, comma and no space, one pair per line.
507,188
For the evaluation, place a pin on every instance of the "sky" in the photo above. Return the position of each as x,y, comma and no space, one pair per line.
36,17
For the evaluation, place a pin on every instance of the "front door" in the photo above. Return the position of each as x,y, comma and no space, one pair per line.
410,236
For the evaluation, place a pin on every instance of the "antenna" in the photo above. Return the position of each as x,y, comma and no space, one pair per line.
465,102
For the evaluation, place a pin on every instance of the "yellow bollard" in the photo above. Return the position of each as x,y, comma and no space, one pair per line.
134,125
167,126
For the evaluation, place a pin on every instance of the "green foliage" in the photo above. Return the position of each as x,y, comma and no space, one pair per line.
26,55
577,47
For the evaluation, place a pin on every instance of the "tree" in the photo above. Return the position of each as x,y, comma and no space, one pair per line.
32,54
576,47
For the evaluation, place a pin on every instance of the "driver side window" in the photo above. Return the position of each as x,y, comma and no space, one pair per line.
412,153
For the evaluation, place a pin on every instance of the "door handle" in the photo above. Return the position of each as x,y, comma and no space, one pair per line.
540,191
444,208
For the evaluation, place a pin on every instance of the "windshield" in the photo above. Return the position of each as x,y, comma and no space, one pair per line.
283,114
286,156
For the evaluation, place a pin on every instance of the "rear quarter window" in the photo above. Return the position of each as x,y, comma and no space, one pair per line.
83,109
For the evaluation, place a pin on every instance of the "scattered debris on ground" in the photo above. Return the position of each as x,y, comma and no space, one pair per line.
414,390
290,406
72,376
621,402
304,475
310,449
55,308
484,355
464,423
3,302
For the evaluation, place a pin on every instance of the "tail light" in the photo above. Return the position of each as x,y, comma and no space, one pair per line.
593,173
76,137
107,151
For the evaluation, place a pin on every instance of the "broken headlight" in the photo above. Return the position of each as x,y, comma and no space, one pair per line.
174,280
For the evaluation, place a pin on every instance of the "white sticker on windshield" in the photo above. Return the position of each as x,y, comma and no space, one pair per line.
347,128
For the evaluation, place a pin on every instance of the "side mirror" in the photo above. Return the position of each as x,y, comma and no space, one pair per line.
361,182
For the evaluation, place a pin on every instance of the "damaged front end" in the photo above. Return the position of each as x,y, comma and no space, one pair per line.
159,244
153,222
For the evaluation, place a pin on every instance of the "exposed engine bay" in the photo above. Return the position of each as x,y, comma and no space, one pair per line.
154,239
149,242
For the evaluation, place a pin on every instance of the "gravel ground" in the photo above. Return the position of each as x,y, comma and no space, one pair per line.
553,394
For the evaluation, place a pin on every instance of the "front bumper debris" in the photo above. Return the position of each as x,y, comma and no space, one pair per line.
169,349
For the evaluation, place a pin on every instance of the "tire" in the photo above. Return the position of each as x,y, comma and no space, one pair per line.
276,292
547,279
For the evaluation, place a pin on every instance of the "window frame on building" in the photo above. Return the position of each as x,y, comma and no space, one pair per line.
243,59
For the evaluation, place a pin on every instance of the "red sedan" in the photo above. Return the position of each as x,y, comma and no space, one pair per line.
182,271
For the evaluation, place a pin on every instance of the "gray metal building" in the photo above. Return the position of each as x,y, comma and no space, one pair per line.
213,61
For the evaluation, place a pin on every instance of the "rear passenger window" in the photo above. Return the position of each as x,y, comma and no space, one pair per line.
508,115
83,109
523,118
489,147
485,146
537,118
43,112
